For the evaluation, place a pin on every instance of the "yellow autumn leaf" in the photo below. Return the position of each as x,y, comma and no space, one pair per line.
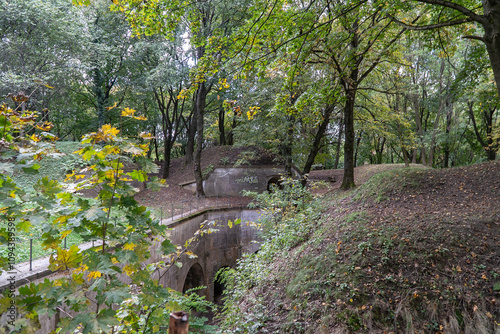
127,112
128,270
141,118
108,130
111,107
35,138
129,246
94,275
81,269
69,176
65,233
146,135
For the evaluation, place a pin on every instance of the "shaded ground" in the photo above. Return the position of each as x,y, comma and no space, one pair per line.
411,251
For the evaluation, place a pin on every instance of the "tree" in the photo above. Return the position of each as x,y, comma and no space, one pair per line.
93,296
207,24
364,34
445,13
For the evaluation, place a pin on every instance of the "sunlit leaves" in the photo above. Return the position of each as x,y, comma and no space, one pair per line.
106,133
65,259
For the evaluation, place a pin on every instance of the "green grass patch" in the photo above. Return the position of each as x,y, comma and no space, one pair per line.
23,245
381,185
54,167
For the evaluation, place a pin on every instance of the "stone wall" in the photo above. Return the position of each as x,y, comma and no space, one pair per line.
231,181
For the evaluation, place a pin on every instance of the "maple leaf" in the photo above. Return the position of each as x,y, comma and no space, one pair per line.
65,258
127,112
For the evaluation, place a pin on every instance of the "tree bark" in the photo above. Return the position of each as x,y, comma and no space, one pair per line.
339,140
201,96
287,149
191,137
348,180
491,37
317,139
222,132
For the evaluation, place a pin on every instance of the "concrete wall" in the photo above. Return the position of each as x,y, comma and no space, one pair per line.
231,181
216,250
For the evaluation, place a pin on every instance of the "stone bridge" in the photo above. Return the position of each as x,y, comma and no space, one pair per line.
214,251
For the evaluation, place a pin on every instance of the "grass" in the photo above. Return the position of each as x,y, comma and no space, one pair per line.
380,186
51,167
22,250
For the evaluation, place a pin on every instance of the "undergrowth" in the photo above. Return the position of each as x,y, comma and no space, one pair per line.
362,272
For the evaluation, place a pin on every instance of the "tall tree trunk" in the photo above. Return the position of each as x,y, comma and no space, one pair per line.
317,139
491,36
155,141
348,180
230,135
356,150
419,128
201,96
166,163
339,141
191,137
288,145
447,146
379,150
443,100
222,132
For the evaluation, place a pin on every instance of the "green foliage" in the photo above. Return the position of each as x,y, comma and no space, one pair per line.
122,244
207,171
290,215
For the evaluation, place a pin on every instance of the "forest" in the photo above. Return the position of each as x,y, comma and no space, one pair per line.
322,84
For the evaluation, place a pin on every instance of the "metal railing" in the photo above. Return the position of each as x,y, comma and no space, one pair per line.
177,210
182,209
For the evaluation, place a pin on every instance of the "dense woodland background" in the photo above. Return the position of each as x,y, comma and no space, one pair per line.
317,82
323,85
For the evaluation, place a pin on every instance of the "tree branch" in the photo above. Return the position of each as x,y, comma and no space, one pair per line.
430,26
474,37
467,12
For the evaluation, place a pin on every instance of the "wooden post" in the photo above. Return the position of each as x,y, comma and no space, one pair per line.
178,323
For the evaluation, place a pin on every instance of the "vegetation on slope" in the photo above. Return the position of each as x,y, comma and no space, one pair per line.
410,251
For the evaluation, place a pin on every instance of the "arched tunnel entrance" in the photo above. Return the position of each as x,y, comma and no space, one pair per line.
219,286
273,182
194,279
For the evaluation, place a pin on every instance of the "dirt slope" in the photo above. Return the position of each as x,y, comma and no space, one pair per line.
410,251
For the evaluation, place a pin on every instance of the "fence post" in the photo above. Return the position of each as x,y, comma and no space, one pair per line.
31,254
178,323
